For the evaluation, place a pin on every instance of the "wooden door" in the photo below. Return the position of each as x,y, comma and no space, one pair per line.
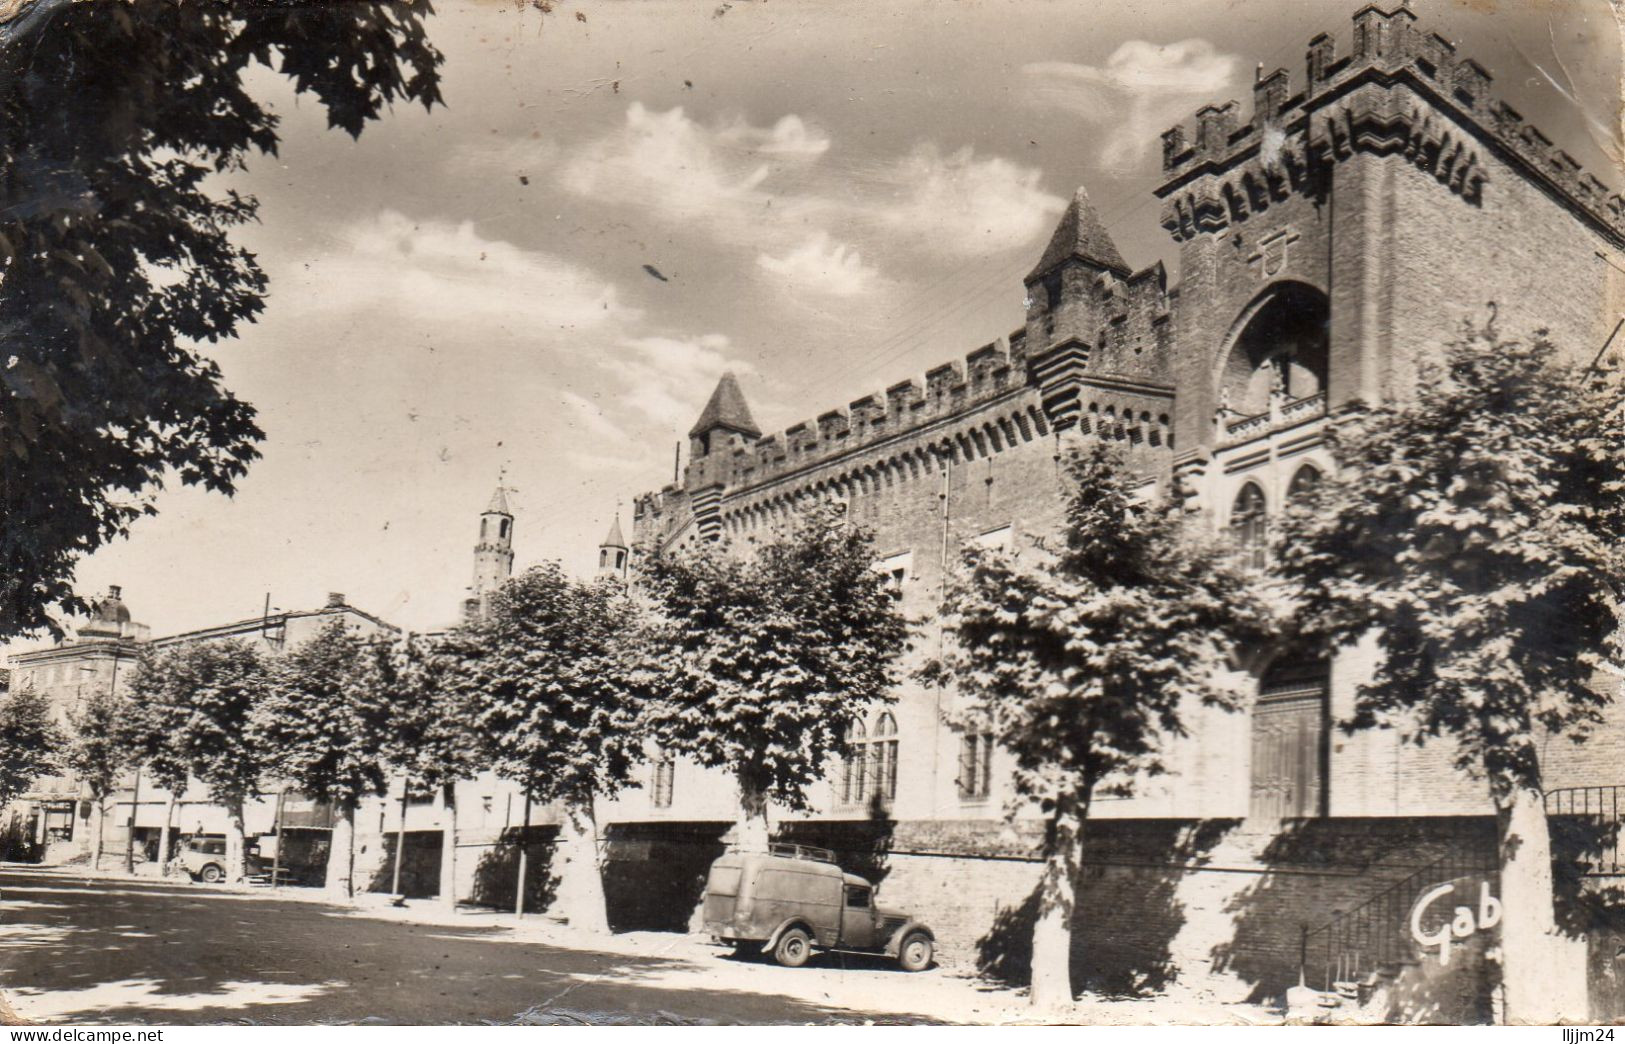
1289,743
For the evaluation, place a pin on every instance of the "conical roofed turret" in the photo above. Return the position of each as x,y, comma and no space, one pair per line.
1083,236
726,409
614,538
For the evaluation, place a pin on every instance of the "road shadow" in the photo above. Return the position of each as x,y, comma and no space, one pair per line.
118,952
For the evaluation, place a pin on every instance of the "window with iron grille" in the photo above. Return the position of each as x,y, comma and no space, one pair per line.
975,766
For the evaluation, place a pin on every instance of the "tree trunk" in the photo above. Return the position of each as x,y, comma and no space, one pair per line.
340,882
236,842
166,832
1528,923
98,831
448,846
580,897
524,864
1057,898
753,830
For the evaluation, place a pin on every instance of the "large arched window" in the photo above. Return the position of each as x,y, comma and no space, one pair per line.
1289,745
870,769
1282,349
1249,527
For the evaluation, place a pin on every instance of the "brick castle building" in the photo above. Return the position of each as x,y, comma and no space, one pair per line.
1351,222
1361,212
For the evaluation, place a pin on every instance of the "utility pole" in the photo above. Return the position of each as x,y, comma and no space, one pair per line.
276,828
129,826
400,849
1604,349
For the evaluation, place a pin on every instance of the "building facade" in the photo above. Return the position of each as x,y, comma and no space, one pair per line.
53,823
1350,224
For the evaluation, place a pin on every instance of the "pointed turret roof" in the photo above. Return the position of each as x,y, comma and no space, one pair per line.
614,539
499,503
1081,235
726,409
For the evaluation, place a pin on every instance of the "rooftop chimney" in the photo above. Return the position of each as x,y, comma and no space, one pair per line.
335,599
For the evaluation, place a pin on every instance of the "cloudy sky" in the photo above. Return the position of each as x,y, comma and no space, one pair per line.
621,200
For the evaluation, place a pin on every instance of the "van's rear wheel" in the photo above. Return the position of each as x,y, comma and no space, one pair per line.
793,949
213,874
916,952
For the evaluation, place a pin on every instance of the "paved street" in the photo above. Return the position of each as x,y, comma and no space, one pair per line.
146,952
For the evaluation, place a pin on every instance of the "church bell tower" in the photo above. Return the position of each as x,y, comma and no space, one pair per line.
613,554
493,555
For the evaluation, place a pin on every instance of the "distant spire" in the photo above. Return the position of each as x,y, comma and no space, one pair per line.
614,539
499,502
1081,235
726,409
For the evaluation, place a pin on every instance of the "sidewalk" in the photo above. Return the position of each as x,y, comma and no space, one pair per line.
871,985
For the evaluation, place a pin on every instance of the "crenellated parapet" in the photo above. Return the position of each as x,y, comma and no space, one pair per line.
1400,91
986,374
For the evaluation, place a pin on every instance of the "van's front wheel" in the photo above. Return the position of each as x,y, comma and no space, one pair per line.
793,949
916,952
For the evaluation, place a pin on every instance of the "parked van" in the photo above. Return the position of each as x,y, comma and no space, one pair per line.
795,899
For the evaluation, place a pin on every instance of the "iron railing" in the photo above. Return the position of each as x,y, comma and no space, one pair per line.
1375,934
1603,810
811,852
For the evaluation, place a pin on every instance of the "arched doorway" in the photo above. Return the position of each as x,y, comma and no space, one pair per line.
1282,348
1290,734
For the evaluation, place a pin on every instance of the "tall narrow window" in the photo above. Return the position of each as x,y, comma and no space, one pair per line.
884,746
855,770
1303,482
1249,527
665,778
975,766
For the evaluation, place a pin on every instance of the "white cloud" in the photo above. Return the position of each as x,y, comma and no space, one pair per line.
1142,89
667,379
441,272
685,172
820,266
790,136
766,189
961,204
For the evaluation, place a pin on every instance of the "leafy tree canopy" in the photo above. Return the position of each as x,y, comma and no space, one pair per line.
190,711
1082,653
120,126
94,753
765,655
29,742
432,739
550,681
1478,530
327,725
